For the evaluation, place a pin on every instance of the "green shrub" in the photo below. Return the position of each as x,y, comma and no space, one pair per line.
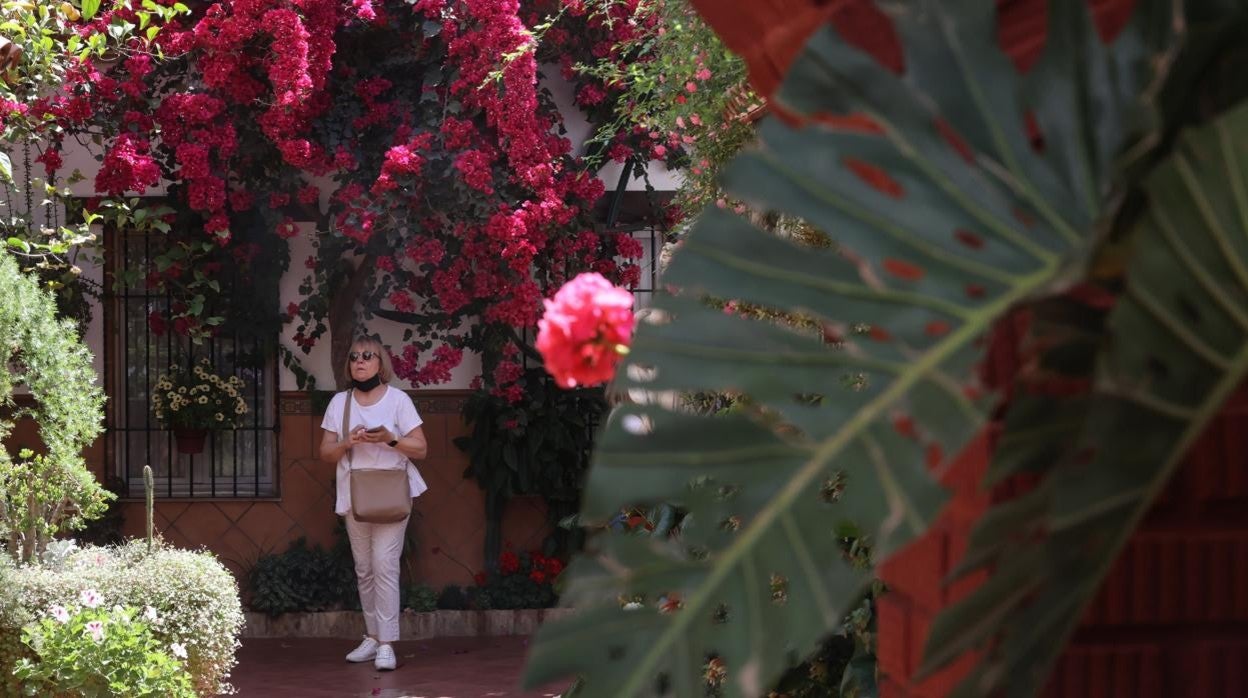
420,598
91,651
41,494
303,579
452,598
193,594
524,580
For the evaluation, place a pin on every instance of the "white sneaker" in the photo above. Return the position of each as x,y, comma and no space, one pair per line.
366,651
385,658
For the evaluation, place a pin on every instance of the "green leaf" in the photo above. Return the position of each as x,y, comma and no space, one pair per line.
152,32
89,9
930,255
6,167
1179,349
18,244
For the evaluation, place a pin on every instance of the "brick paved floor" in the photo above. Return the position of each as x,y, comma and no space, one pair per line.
487,667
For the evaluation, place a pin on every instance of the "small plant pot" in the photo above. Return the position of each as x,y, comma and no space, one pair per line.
190,441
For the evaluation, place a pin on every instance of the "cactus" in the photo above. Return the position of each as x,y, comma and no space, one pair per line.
149,490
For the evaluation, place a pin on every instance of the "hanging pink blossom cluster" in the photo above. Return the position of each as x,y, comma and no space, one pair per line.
449,171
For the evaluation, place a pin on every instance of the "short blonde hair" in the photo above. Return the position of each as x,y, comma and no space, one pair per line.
367,343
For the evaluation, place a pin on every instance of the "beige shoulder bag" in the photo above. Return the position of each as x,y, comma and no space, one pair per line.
377,496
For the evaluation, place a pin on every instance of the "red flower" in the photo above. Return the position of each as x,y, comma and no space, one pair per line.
508,563
584,329
156,321
538,576
479,578
287,229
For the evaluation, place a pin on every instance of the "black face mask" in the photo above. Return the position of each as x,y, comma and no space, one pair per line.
365,386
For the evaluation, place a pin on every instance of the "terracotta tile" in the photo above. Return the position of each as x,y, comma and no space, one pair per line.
300,489
458,667
244,548
524,522
234,510
267,526
455,426
296,441
170,511
435,434
319,524
132,520
202,522
177,539
440,475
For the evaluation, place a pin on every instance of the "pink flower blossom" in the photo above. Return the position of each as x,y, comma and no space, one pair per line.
95,629
287,229
586,327
59,613
90,598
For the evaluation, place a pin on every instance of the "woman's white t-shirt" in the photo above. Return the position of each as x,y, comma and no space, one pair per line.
394,411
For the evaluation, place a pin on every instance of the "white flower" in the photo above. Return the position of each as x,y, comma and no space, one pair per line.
632,606
59,613
149,614
90,598
95,629
178,649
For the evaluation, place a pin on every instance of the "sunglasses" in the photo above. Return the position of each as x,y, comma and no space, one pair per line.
366,355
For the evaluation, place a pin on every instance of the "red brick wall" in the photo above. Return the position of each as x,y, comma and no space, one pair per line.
1172,616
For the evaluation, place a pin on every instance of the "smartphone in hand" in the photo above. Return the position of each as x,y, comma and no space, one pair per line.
374,430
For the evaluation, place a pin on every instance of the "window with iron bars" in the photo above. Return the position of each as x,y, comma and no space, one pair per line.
235,463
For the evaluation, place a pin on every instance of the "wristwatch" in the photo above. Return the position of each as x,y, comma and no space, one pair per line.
393,443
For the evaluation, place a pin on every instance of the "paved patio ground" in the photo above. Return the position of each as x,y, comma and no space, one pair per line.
486,667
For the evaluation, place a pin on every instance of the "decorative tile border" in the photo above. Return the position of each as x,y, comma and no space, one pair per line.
349,625
427,402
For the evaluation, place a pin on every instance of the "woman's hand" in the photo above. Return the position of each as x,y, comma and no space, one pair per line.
381,436
333,449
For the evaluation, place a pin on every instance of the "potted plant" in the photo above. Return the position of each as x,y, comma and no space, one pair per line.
192,402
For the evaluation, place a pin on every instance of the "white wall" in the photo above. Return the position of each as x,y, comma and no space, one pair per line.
579,131
317,362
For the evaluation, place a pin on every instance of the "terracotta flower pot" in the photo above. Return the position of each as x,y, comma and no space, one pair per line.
190,441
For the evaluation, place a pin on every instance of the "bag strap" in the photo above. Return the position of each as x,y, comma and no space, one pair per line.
346,424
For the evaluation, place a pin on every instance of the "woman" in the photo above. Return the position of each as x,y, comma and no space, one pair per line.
384,432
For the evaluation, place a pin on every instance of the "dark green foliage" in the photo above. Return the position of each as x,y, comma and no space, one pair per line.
539,446
304,579
420,598
524,580
452,598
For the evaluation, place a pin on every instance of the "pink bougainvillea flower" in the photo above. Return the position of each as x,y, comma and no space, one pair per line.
586,328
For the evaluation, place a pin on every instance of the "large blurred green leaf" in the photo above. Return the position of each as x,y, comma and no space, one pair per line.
1178,347
938,235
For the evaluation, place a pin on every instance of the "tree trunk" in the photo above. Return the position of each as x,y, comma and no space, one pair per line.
343,316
